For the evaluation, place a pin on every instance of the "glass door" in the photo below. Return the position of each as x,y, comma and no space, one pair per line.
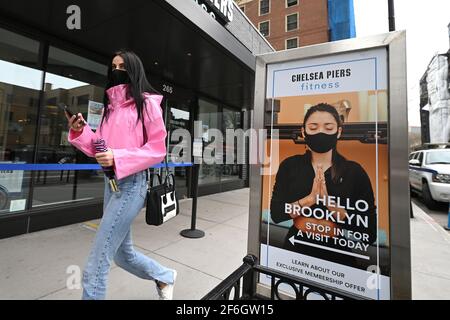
231,119
220,118
208,114
77,82
20,89
177,117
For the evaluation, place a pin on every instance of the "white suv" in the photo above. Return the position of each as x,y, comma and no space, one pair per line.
429,174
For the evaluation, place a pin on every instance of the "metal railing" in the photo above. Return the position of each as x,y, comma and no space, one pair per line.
241,285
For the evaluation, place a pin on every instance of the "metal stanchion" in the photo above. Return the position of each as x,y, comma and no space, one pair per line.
194,233
197,153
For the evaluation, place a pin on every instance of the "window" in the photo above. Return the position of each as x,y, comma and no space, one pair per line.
222,118
231,119
292,43
73,80
438,157
264,28
209,115
83,100
291,3
52,101
420,157
292,22
20,85
178,117
264,7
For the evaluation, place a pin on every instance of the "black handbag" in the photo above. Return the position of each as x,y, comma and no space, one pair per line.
161,200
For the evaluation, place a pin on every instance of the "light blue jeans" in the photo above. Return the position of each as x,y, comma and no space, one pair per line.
113,240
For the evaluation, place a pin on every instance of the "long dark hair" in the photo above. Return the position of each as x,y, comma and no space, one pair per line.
337,160
138,83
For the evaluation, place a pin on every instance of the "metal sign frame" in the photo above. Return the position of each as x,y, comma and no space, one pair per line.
399,223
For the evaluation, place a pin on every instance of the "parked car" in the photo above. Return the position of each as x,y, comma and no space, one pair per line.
429,175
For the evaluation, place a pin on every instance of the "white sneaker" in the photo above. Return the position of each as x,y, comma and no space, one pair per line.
166,293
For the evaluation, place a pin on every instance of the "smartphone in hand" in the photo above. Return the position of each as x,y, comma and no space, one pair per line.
65,108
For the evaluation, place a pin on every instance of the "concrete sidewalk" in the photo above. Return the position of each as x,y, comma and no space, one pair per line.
34,266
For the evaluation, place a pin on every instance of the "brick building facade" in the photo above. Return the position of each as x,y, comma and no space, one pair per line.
289,23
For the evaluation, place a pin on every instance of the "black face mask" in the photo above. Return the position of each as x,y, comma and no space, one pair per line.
321,142
118,77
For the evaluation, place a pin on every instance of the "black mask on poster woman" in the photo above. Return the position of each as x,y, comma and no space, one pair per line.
321,142
118,77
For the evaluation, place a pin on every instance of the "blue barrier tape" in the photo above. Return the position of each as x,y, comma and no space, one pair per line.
72,166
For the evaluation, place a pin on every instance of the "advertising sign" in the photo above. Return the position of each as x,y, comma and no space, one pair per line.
95,112
11,180
325,212
325,205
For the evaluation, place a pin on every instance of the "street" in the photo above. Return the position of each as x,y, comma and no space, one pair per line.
430,249
440,214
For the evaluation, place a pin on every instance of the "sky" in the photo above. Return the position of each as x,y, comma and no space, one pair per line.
426,28
31,78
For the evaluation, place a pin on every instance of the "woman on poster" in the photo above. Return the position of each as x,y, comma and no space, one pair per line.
328,197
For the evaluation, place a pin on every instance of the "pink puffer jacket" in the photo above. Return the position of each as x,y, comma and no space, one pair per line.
124,136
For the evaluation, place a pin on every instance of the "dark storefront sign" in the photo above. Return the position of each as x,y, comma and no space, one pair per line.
221,10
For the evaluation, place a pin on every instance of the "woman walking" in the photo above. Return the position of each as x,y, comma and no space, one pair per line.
134,132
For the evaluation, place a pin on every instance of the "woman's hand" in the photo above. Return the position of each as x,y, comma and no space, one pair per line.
317,189
323,192
76,122
105,159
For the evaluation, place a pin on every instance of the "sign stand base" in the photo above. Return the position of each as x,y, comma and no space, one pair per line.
193,234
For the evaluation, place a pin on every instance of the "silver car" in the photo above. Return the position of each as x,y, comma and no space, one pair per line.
429,175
